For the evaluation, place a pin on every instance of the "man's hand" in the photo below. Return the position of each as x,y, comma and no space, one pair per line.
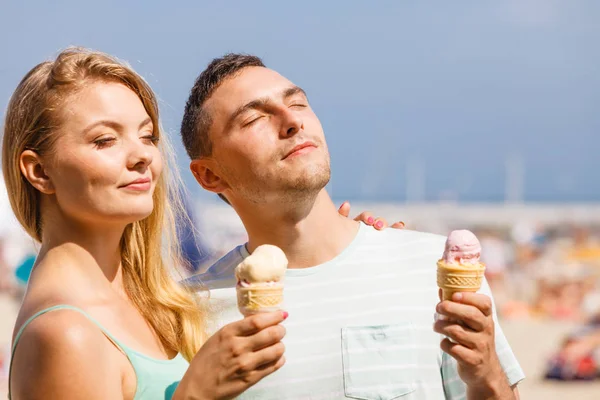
468,326
366,217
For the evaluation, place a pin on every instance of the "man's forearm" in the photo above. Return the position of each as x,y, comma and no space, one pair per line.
498,390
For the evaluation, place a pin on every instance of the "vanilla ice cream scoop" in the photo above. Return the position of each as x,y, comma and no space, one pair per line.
260,280
266,264
462,247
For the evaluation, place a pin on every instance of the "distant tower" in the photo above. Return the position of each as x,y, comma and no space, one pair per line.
515,179
415,180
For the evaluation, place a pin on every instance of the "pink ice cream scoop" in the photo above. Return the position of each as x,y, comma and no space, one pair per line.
462,247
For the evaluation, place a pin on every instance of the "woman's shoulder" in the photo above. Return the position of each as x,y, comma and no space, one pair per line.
57,325
56,343
55,321
43,301
53,345
53,294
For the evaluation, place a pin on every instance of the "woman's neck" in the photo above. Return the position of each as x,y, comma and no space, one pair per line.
95,250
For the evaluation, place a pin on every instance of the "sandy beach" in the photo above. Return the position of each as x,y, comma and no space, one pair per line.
533,341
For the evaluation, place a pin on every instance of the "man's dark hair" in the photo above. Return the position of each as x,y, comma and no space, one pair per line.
196,119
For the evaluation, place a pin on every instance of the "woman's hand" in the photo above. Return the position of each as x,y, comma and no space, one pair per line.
235,358
366,217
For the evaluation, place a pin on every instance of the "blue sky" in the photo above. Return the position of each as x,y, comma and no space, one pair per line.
457,87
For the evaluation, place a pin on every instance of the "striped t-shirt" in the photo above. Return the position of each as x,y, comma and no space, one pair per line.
361,325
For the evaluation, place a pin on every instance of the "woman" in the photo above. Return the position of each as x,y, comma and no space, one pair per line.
102,317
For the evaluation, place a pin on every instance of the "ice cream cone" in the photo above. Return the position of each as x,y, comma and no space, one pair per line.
459,278
260,280
259,298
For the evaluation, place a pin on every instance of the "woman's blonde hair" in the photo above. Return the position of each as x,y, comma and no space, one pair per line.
31,122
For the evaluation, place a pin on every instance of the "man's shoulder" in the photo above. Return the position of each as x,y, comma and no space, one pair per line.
219,275
406,237
391,248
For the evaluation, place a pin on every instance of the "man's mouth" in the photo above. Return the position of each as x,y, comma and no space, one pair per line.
302,148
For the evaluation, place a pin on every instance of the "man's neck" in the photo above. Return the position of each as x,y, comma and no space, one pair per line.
309,233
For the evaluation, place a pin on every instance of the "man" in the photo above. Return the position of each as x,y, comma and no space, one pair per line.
360,301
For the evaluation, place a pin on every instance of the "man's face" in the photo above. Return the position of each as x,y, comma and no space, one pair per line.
267,142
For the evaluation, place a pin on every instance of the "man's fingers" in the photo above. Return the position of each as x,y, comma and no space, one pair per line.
365,217
457,332
468,314
461,353
480,301
267,337
344,209
257,322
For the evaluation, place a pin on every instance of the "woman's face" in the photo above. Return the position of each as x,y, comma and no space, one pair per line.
105,163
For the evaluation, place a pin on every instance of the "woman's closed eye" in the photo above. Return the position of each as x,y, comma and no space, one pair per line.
151,138
103,142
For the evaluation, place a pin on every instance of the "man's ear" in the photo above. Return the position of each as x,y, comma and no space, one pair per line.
32,168
208,176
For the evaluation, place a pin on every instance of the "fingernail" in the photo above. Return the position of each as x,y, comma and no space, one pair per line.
370,220
379,224
457,297
285,314
402,223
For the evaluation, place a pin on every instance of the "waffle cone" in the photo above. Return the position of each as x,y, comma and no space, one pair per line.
459,278
259,298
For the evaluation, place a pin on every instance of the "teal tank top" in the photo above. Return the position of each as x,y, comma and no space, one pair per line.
156,379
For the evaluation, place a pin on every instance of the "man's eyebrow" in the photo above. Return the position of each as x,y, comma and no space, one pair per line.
264,101
254,104
289,92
